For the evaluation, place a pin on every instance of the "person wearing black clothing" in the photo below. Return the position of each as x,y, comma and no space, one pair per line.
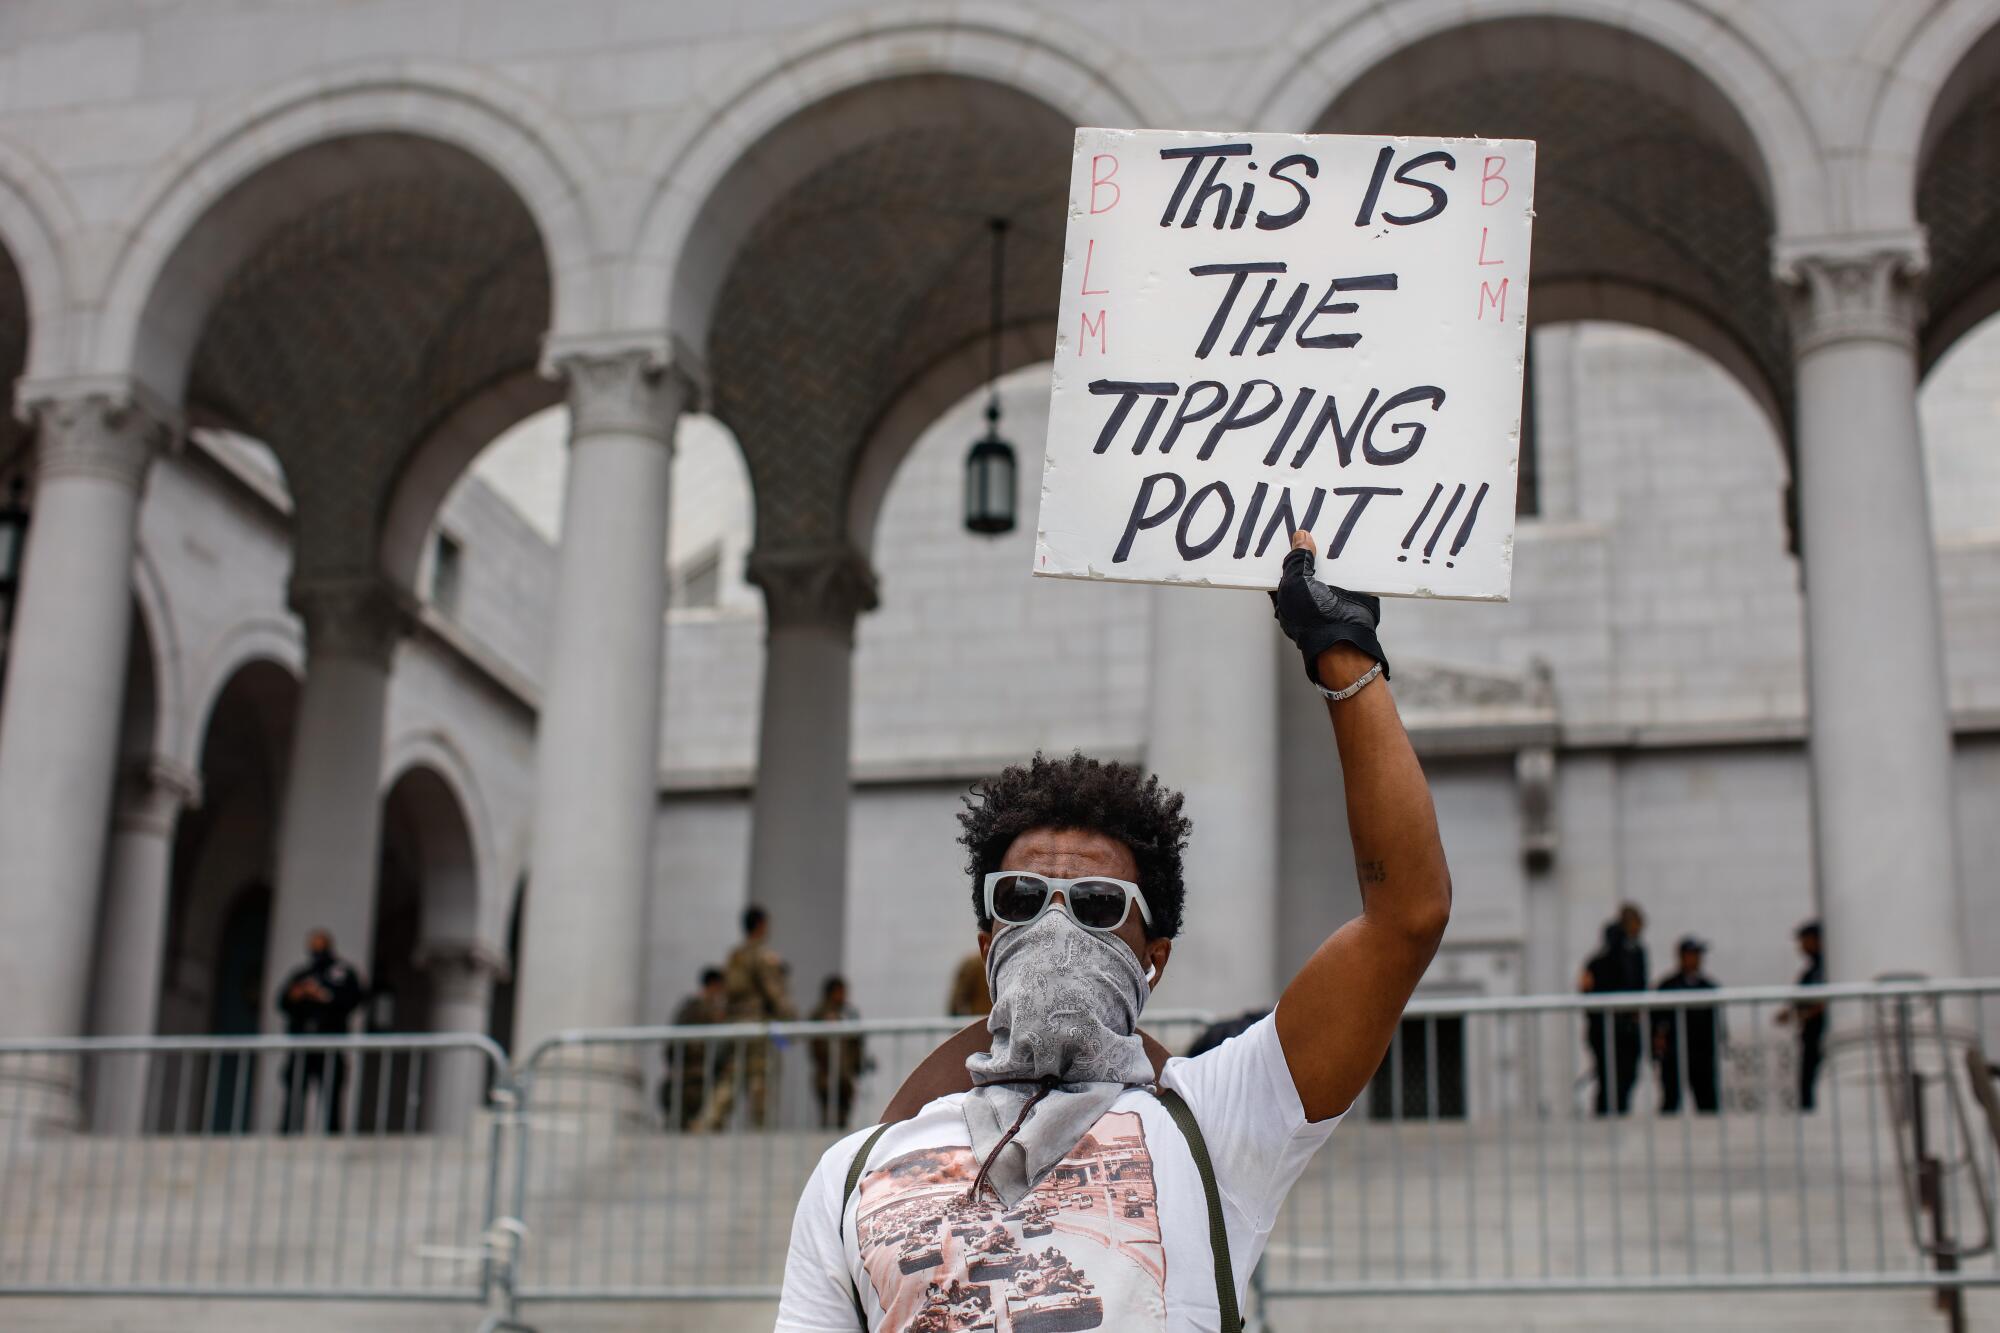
1811,1018
1614,1037
317,1001
1699,1025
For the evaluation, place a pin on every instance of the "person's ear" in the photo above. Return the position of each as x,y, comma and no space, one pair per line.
1157,953
985,943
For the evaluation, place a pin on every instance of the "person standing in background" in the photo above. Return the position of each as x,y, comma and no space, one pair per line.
757,984
1810,1017
837,1061
1698,1027
1613,1036
694,1066
969,997
318,1000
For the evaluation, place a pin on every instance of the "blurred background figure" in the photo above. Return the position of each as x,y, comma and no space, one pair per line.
1613,1036
757,987
1688,1038
969,996
1811,1018
694,1066
837,1061
317,1000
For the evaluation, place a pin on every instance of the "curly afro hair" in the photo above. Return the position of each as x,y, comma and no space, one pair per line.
1078,792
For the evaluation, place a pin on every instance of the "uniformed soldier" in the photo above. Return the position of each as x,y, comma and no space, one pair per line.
694,1066
837,1061
758,987
317,1001
1701,1025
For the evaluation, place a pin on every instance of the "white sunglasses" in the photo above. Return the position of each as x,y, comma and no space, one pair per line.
1095,902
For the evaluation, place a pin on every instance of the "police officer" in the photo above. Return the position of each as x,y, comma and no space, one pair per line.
1811,1018
758,986
317,1000
1700,1025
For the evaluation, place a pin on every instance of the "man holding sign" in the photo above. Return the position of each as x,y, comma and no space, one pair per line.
1263,337
1052,1162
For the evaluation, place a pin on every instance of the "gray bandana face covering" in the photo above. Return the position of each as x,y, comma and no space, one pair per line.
1065,1016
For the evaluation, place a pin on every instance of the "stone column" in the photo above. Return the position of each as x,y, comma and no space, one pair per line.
1879,727
329,831
131,932
1212,732
598,739
60,716
799,812
461,974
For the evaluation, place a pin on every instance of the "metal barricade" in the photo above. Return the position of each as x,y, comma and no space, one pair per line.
666,1163
357,1167
1479,1160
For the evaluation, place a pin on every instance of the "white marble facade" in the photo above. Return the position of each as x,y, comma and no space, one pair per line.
370,672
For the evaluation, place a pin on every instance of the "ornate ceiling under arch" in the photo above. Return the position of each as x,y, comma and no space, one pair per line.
861,277
352,329
1645,179
1958,201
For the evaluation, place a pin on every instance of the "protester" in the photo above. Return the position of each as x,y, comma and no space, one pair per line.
317,1000
1048,1109
758,989
695,1066
1689,1038
1618,965
969,997
837,1061
1810,1017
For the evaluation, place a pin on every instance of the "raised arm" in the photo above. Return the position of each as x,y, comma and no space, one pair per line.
1341,1011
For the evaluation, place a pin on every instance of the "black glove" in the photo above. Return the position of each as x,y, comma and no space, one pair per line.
1316,616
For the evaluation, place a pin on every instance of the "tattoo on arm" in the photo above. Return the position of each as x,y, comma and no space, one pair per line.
1371,872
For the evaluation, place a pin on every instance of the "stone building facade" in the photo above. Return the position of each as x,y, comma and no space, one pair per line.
276,275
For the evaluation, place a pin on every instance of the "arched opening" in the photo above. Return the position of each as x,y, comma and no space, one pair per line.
342,304
1652,200
224,858
14,468
1958,200
426,916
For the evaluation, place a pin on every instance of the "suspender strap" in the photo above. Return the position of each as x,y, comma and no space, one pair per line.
1218,1234
854,1170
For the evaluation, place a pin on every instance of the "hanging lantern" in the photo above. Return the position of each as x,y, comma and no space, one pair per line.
989,469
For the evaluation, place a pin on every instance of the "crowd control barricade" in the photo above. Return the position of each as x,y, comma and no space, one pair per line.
666,1163
1478,1160
168,1166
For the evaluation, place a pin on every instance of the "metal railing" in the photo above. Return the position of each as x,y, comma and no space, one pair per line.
664,1163
357,1167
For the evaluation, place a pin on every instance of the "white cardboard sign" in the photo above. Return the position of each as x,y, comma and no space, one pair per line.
1268,331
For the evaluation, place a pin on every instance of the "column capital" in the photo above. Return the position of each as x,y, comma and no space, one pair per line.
359,618
1840,289
825,584
107,427
152,792
461,968
624,385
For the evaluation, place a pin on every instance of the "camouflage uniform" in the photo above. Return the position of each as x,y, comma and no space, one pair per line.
757,984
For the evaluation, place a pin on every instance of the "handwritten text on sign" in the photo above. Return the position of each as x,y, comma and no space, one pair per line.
1263,332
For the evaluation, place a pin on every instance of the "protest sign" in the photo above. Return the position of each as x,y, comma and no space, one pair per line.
1268,331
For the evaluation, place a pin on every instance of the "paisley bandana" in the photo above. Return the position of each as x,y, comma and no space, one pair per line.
1065,1043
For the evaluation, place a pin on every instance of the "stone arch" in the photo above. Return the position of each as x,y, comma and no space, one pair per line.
35,214
922,400
1741,62
275,641
712,187
158,637
1933,59
145,325
436,464
1649,178
440,793
1957,193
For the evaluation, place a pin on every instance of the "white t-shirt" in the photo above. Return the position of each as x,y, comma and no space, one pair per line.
1116,1236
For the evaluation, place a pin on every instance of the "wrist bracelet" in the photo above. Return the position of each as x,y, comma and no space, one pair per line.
1337,695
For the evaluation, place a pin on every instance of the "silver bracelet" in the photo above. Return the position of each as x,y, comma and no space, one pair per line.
1337,695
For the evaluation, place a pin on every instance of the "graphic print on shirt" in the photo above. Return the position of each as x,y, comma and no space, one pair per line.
1082,1250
